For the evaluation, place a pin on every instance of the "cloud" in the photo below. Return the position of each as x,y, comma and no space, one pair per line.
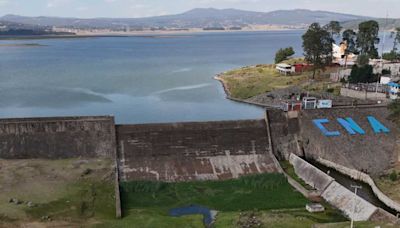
57,3
3,2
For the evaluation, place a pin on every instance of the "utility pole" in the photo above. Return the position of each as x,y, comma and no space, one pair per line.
356,187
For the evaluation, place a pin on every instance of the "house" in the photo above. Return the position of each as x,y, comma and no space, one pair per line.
340,57
285,69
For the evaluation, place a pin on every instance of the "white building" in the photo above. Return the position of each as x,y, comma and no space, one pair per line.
285,69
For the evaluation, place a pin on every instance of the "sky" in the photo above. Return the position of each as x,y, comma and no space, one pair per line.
146,8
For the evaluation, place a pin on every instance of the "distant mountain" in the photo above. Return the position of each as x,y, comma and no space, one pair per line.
387,24
196,18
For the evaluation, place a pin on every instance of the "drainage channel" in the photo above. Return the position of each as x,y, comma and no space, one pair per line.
365,192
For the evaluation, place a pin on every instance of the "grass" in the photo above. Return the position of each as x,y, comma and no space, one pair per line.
275,202
262,192
84,200
294,218
390,187
251,81
64,190
142,218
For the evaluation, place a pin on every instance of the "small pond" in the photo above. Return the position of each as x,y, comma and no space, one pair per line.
208,215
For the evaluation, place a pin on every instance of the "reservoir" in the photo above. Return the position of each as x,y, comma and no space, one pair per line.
145,79
142,79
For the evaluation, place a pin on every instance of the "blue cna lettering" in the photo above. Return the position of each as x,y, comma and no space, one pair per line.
351,126
377,126
320,124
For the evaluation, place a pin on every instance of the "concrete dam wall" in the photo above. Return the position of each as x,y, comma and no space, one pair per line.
194,151
368,144
57,138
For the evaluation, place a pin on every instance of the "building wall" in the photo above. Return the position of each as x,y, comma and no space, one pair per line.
194,151
57,138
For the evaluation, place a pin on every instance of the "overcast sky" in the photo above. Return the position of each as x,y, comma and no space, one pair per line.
143,8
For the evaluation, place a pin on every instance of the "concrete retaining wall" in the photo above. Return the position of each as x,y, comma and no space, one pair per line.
194,151
353,206
357,175
334,193
310,174
57,138
362,94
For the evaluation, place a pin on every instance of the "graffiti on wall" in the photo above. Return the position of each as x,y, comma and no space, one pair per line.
350,126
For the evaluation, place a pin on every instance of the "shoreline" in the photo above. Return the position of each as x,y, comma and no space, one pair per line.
229,97
149,34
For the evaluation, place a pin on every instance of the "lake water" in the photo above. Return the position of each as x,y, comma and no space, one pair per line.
136,79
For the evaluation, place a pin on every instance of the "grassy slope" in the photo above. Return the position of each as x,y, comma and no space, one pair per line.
58,188
250,81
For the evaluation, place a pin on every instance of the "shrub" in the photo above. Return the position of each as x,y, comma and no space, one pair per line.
393,176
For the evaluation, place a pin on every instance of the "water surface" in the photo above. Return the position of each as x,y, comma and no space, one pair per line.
136,79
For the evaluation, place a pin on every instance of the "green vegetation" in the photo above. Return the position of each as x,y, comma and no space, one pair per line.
283,54
293,218
317,45
251,81
263,192
362,74
267,197
84,200
367,38
334,28
391,56
350,37
152,217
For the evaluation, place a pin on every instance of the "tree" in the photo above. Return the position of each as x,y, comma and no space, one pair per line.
317,45
367,38
363,60
362,74
283,53
350,37
396,38
334,28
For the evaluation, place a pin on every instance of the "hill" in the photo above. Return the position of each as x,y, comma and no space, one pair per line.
196,18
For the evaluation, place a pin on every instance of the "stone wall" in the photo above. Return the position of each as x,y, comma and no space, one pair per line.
194,151
284,133
362,94
57,138
373,153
